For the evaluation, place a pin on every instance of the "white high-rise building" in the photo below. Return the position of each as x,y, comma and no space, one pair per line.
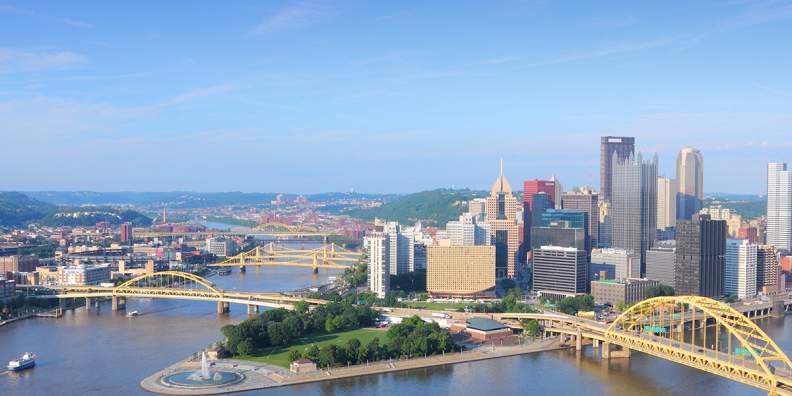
378,245
779,206
626,263
666,203
467,231
690,182
740,269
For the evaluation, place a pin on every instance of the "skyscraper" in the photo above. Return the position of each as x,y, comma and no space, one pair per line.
690,182
623,147
560,271
585,200
740,268
468,231
666,202
767,269
700,251
503,228
126,232
634,204
377,245
779,206
574,218
530,189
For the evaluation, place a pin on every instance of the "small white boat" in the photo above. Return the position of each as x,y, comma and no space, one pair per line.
132,314
26,361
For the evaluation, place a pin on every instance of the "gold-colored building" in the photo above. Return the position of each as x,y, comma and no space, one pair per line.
503,228
460,271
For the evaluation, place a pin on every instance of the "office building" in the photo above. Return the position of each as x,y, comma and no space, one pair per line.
467,231
733,220
477,207
7,289
83,275
626,263
666,203
560,271
767,270
221,247
587,201
624,291
610,146
503,227
660,263
377,245
126,232
700,251
460,271
546,201
605,226
779,206
574,218
634,204
690,182
740,268
558,233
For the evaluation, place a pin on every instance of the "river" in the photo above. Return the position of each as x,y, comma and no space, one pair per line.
105,353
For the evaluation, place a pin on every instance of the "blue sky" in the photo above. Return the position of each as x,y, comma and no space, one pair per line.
310,96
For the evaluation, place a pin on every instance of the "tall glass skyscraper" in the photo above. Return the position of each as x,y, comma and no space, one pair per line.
623,147
779,206
634,204
690,182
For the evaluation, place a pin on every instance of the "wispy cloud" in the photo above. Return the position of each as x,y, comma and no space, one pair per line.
200,93
497,61
775,91
293,16
34,14
613,49
14,60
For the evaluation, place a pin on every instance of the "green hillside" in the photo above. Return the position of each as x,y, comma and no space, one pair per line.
749,207
433,208
17,209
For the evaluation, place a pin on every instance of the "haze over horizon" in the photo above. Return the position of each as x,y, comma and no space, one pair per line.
317,96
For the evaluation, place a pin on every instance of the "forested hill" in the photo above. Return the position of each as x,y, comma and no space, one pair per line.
433,208
18,209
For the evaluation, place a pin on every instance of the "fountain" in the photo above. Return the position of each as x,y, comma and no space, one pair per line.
202,378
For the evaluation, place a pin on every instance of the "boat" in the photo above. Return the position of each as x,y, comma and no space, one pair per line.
132,314
224,271
26,361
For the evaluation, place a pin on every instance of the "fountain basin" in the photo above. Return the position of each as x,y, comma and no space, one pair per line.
189,379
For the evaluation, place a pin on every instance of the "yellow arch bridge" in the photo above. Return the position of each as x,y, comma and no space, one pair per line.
694,331
179,286
326,256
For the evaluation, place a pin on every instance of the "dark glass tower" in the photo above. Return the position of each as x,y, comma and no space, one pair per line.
624,147
700,256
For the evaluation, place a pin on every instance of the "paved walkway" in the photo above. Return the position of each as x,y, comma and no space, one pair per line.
260,376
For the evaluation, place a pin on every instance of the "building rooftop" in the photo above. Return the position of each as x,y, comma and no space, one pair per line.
484,324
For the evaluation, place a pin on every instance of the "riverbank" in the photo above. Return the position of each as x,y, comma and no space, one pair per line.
52,313
262,376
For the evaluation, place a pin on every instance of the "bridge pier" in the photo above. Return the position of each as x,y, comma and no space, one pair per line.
242,269
316,270
778,310
118,303
579,341
607,353
88,301
252,309
223,307
595,343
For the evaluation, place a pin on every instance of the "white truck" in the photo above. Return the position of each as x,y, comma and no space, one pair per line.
441,315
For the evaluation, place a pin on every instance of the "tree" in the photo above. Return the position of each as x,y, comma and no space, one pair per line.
659,291
294,355
301,307
245,347
327,355
312,352
532,327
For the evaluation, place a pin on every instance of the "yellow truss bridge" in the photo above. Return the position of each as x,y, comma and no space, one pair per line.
179,286
326,256
694,331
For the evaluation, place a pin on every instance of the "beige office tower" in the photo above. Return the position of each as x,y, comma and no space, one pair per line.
460,271
666,203
503,228
690,182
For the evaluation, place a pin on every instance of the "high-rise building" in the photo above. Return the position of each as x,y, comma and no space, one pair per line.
126,232
605,226
767,269
559,191
477,207
460,271
660,262
530,189
503,228
467,231
377,246
634,204
560,271
733,220
626,263
558,233
690,182
587,201
779,206
740,268
575,218
700,250
666,203
623,148
221,246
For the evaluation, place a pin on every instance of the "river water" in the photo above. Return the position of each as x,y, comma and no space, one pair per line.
105,353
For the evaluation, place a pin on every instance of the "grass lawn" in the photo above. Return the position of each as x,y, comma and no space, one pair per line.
436,305
279,356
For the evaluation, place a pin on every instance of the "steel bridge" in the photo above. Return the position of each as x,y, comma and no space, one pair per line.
694,331
326,256
179,286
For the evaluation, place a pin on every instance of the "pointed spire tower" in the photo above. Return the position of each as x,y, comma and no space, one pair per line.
503,227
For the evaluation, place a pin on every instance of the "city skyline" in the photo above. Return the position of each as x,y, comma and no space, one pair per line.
221,93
